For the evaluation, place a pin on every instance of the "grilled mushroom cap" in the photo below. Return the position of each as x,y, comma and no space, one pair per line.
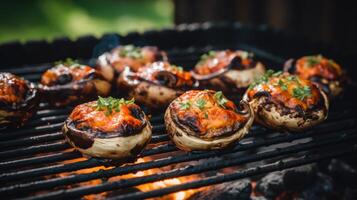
18,100
156,84
206,120
70,83
321,70
108,128
227,69
111,64
286,102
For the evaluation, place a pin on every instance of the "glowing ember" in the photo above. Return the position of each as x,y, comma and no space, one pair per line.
144,187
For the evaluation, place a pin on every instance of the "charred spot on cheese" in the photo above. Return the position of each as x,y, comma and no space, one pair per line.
206,114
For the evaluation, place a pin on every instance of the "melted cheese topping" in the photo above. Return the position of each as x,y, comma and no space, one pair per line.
210,119
13,89
285,94
148,73
221,60
76,72
309,66
87,116
119,61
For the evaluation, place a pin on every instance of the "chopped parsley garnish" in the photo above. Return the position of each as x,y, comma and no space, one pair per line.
282,85
207,55
264,78
206,115
69,62
178,68
185,105
200,103
130,51
313,60
302,92
111,104
220,99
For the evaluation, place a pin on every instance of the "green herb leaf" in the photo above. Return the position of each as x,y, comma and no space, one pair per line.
313,60
206,115
179,68
185,105
130,51
220,99
69,62
302,92
262,79
209,54
201,103
111,104
282,85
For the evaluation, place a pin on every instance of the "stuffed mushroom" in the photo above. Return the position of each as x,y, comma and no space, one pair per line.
206,120
111,64
18,100
321,70
227,70
156,84
108,128
70,82
286,102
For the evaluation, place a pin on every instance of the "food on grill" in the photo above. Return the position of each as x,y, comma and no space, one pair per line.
18,100
206,120
321,70
70,82
111,64
156,84
227,70
286,102
108,128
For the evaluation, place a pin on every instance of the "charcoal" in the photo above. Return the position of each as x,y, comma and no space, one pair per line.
342,173
299,177
271,185
240,189
295,179
322,188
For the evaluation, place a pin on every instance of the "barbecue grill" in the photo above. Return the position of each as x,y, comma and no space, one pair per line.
37,163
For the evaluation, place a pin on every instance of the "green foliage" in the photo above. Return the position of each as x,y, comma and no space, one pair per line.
48,19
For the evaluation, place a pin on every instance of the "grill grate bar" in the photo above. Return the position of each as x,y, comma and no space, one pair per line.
281,165
190,169
55,157
31,140
53,136
162,162
43,148
26,131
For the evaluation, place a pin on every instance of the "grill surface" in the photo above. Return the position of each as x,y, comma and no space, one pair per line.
36,162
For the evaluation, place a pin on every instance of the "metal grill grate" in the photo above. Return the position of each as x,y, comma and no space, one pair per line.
35,158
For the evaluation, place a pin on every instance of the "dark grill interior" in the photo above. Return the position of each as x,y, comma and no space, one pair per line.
34,158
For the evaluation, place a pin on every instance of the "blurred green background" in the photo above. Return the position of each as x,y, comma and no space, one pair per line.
47,19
